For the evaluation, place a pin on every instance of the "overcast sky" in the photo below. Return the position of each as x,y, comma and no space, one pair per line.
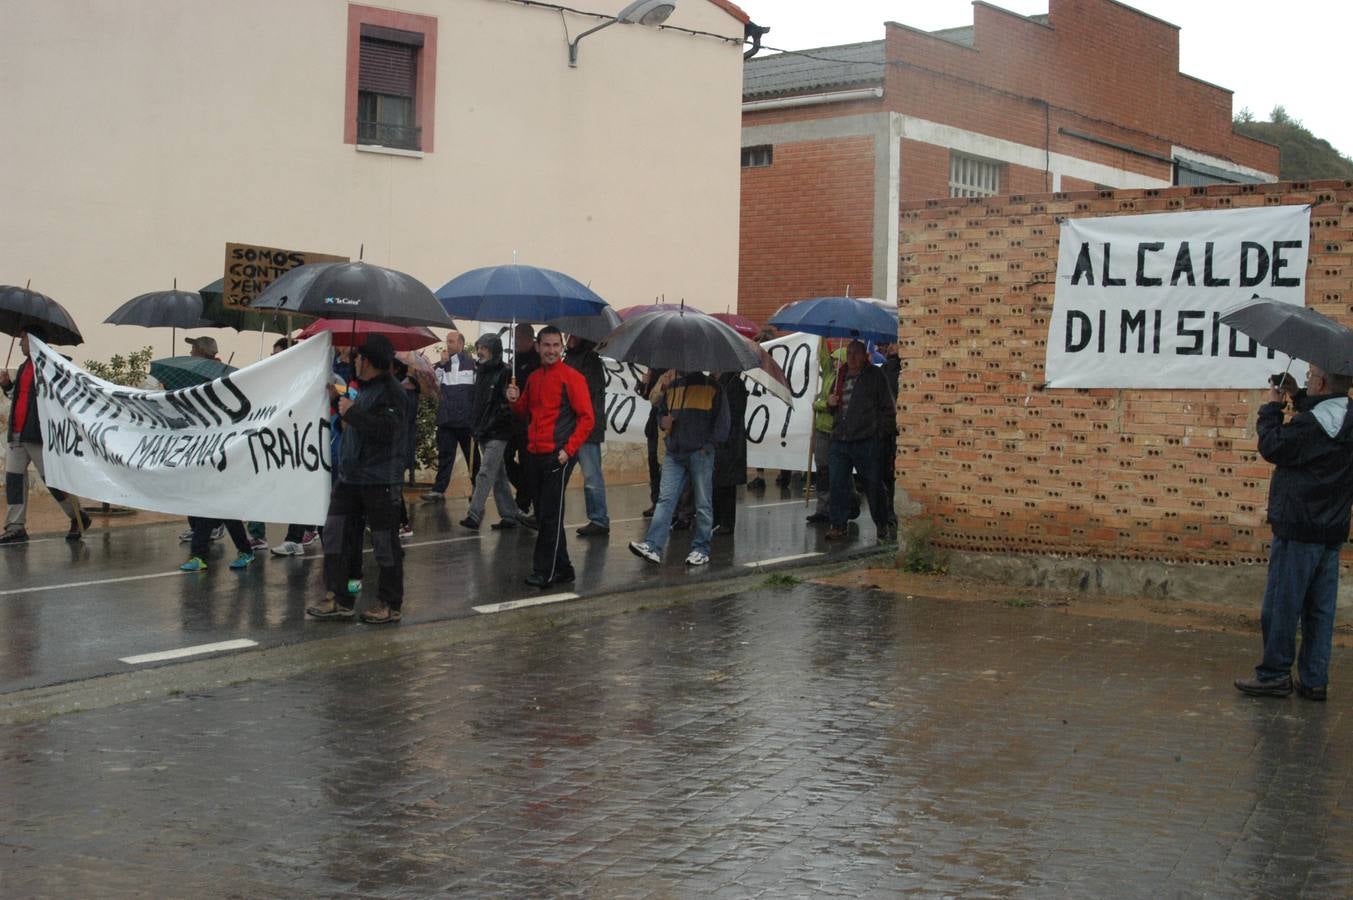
1268,53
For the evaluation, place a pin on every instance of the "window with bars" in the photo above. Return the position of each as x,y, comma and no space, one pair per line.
973,177
387,88
757,157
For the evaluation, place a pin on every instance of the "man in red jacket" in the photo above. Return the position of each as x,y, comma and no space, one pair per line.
558,410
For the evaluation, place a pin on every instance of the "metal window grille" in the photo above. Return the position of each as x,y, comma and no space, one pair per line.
757,157
386,88
971,177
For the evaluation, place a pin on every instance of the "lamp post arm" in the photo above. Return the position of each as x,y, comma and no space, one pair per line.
573,45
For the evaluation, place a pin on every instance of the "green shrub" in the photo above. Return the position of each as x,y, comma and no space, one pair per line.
129,371
919,553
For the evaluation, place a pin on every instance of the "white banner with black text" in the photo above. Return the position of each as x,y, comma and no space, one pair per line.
1139,299
253,444
778,435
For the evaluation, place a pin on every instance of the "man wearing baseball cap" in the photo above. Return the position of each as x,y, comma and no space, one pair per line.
369,469
204,347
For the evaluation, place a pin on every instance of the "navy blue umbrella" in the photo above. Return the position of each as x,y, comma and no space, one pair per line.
518,294
838,317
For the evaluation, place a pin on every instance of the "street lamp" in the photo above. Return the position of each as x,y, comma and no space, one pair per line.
640,12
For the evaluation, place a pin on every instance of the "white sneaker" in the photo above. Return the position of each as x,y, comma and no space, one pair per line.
186,537
257,544
645,550
218,532
697,558
309,538
405,532
289,548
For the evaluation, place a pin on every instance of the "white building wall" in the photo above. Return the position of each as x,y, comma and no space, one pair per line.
142,135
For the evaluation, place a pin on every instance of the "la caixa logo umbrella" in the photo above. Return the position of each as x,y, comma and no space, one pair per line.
343,301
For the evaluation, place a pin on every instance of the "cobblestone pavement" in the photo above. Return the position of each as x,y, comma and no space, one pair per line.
792,742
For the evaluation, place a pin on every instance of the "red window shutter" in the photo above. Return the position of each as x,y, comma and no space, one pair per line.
387,68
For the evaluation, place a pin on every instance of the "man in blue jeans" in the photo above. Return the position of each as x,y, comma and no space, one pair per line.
582,355
694,413
1309,501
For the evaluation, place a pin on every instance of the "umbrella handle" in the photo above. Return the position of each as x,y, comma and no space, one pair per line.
11,352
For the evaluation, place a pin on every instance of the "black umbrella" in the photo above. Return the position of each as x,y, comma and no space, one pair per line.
354,290
686,341
1297,331
173,309
20,307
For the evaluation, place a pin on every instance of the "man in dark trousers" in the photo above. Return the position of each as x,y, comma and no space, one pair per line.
730,457
559,418
1309,498
861,406
582,355
455,383
525,360
24,447
370,468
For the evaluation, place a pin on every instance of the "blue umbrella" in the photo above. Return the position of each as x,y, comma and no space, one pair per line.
519,294
838,317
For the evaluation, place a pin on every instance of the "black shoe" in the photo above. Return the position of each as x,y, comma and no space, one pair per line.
757,484
592,529
504,525
470,523
530,522
78,529
818,518
1274,687
648,513
1310,693
17,536
565,577
537,580
681,525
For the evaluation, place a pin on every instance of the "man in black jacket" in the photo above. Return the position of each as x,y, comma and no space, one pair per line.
455,383
1309,501
862,406
370,468
582,355
24,438
493,424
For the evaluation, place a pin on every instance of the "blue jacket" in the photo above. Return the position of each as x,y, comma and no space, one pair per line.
455,377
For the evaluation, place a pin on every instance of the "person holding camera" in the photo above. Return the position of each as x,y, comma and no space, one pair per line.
1309,500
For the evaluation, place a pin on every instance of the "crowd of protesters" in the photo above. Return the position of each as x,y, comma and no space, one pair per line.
520,428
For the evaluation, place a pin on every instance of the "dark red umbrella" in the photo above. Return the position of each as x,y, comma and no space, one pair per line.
353,332
741,324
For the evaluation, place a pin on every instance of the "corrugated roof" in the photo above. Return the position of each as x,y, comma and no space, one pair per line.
848,65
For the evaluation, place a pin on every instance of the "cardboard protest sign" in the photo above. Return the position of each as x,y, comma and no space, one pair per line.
250,268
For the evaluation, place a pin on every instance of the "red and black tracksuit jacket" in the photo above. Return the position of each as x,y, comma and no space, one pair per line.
558,410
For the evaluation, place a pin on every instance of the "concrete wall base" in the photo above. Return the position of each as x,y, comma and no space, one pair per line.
1238,586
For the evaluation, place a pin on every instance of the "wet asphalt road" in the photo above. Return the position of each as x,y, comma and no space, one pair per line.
74,611
801,742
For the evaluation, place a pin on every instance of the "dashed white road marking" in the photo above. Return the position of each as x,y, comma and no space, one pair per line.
529,601
779,559
181,652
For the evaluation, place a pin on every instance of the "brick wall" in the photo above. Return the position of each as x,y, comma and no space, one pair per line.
807,225
1004,467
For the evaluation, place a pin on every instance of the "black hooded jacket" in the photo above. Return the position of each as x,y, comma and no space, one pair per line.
491,418
1311,492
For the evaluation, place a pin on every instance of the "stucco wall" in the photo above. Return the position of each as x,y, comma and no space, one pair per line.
143,135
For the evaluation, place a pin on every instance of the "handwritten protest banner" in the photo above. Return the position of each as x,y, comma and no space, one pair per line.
253,444
1139,299
250,268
